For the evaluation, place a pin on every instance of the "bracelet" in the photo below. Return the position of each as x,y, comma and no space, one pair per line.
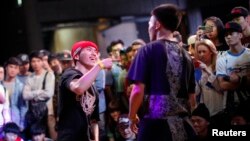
99,62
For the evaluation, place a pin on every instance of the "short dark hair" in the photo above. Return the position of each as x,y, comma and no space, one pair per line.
11,127
37,129
13,61
109,49
36,54
114,105
168,15
129,49
52,57
113,43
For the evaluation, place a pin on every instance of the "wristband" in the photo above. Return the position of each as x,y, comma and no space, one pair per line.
99,62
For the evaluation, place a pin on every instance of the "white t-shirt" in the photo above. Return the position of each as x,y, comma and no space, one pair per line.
239,63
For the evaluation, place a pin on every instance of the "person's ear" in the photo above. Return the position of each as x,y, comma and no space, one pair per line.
248,19
241,35
157,25
76,57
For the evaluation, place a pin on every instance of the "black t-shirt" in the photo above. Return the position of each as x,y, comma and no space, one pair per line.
73,121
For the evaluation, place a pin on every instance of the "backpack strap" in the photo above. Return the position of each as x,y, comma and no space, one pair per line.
44,80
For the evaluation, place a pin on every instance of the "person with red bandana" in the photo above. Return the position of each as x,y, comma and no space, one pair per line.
79,112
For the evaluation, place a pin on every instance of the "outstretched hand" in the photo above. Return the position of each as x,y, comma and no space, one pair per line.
133,124
107,62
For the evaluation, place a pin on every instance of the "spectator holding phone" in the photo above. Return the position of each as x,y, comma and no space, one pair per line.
213,30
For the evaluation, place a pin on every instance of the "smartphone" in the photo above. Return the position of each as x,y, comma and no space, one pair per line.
206,29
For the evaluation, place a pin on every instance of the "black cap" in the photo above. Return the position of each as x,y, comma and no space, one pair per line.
64,56
238,11
202,111
24,58
232,27
44,52
11,127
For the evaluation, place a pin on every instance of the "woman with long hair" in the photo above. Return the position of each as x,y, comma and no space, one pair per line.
207,88
214,31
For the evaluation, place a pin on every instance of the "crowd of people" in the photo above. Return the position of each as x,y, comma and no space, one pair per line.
163,90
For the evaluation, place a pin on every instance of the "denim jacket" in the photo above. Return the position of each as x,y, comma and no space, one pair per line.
18,106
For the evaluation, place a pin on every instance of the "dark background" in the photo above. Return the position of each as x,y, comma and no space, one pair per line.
24,27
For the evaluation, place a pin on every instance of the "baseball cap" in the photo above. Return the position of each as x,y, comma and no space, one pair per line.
11,127
44,52
78,46
232,27
191,40
238,11
64,56
24,58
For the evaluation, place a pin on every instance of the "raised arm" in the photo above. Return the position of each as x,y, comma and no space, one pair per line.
79,86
